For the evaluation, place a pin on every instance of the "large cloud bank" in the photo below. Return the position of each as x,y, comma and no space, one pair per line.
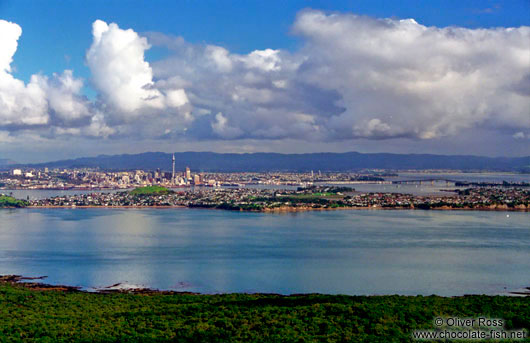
354,77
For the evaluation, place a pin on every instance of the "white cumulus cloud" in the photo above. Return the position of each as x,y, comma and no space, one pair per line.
119,71
121,74
20,104
419,81
55,103
64,96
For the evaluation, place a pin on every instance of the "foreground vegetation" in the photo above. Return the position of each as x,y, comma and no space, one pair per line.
7,201
54,316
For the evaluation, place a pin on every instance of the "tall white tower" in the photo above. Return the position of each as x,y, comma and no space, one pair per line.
173,174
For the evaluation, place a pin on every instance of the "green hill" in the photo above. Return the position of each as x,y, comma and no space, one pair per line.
7,201
150,190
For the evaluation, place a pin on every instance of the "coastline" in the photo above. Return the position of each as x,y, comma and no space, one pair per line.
287,209
32,284
377,208
110,207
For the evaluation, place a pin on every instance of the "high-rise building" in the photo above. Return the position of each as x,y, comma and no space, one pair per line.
196,179
188,173
173,174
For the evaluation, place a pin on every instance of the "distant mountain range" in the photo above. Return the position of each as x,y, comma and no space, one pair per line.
5,162
259,162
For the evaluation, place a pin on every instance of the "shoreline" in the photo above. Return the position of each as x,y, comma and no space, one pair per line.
378,208
31,283
288,209
109,207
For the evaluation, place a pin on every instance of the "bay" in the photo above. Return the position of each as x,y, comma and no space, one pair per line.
212,251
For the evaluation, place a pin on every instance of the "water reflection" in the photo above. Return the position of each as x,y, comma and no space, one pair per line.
350,252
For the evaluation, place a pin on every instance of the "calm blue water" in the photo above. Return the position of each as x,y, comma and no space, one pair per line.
348,252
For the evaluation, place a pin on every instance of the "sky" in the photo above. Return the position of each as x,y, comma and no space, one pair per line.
83,78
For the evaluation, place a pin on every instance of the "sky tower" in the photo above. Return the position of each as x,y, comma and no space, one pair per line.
173,174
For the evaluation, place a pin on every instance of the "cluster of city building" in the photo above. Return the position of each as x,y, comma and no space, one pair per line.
303,198
86,178
95,179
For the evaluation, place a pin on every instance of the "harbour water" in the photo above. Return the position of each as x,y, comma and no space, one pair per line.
339,252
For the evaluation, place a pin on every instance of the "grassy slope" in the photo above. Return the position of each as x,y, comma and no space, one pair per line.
149,190
7,201
51,316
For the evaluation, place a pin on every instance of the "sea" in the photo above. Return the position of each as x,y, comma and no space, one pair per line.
355,252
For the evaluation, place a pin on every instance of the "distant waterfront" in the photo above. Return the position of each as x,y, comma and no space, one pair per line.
350,252
426,188
35,194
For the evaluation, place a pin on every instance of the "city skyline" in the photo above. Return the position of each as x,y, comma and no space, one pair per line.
317,77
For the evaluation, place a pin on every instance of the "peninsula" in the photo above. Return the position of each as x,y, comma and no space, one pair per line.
301,199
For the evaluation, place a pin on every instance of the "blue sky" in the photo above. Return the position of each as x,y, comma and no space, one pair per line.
56,34
287,76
